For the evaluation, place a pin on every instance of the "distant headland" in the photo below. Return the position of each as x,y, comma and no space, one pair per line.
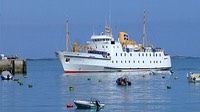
184,57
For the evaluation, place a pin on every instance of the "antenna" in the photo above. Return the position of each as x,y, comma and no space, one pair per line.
144,30
93,29
110,22
67,35
105,23
108,29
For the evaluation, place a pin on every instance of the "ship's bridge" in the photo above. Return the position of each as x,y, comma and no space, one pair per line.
96,38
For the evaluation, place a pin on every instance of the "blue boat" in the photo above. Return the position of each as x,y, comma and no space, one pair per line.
123,81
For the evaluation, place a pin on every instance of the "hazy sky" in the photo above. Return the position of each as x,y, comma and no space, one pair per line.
36,28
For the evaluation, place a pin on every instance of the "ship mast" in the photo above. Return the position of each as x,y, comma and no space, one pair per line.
108,29
108,32
67,35
144,30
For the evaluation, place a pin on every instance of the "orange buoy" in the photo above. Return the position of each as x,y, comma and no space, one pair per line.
69,105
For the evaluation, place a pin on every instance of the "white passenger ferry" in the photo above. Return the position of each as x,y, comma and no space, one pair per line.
104,54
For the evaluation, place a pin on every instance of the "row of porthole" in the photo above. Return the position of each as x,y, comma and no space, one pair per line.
101,39
139,54
137,61
154,54
107,46
102,46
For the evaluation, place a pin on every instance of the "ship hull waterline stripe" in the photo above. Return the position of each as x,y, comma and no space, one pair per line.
122,70
147,69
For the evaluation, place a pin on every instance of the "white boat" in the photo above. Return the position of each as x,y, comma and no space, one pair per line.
193,77
157,72
105,54
81,104
6,75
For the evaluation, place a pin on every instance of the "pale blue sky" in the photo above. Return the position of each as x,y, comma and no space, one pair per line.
36,28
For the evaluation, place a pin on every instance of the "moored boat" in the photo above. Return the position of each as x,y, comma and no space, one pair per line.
193,77
93,104
158,72
6,75
123,81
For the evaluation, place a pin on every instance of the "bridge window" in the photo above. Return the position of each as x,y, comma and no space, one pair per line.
116,54
130,54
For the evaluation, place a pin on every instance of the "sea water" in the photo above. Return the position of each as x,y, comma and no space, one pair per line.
50,91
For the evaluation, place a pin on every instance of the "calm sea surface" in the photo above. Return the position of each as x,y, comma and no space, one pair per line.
50,91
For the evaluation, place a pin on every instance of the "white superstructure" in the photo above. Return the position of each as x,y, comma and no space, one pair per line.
103,53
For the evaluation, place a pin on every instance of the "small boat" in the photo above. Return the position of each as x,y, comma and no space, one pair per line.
193,77
159,72
123,81
6,75
93,104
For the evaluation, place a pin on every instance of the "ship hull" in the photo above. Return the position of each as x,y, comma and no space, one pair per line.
85,62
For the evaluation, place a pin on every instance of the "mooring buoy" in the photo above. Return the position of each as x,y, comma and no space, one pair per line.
30,85
169,87
69,105
25,76
71,88
15,79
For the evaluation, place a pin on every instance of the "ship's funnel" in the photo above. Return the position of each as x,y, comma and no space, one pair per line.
124,38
